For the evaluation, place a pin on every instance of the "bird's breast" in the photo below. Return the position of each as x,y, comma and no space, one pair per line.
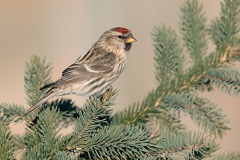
120,65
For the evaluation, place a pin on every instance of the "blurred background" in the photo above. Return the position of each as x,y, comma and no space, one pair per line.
62,30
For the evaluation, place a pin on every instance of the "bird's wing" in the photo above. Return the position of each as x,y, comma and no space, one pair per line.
93,64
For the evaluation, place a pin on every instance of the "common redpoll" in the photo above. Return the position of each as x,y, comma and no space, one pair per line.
93,72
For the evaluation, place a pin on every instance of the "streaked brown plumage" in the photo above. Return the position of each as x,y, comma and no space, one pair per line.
94,72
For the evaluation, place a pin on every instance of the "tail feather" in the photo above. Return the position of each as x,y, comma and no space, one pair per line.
41,101
47,86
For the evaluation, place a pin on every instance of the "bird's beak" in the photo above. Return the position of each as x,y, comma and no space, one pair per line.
130,40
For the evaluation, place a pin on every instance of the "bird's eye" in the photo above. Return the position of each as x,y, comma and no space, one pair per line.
120,36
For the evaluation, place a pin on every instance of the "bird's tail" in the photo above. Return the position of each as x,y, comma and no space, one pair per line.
41,101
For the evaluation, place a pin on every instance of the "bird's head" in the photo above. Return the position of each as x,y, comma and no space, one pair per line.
118,38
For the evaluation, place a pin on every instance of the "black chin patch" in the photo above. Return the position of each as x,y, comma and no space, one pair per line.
128,46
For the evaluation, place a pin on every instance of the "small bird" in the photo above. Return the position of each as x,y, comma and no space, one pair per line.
93,72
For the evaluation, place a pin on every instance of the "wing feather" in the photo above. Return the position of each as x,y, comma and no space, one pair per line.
94,64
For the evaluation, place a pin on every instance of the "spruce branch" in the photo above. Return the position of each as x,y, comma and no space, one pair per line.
36,152
45,134
62,155
42,132
94,114
48,124
19,142
7,145
122,142
227,34
11,113
138,113
187,145
202,112
67,108
188,81
91,117
224,30
192,79
228,80
194,31
148,158
167,120
37,74
167,55
31,137
91,139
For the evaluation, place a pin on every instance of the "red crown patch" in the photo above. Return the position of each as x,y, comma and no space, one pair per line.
123,30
